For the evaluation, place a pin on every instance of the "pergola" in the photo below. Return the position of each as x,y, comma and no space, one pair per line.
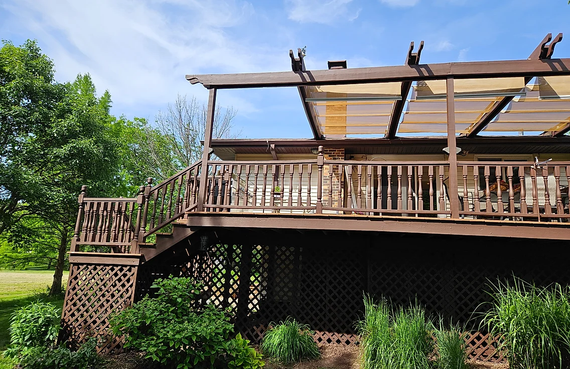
463,99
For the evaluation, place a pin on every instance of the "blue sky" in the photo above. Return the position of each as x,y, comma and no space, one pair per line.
141,50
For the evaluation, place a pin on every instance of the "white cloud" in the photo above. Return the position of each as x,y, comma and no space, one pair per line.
400,3
141,50
444,45
320,11
462,55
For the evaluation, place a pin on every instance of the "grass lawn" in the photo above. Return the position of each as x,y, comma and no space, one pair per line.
18,288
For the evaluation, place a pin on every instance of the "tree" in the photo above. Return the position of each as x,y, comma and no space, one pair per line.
55,137
28,99
183,125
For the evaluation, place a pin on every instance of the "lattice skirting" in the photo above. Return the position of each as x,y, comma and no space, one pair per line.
322,283
94,292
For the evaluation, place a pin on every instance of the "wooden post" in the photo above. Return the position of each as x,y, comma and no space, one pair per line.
320,163
136,233
452,146
79,217
147,188
206,153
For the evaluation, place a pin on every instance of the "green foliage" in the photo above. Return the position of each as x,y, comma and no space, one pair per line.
534,323
242,355
290,342
175,329
451,349
34,325
62,357
394,339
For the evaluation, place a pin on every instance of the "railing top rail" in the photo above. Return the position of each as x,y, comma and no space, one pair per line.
512,163
261,162
173,177
391,162
109,199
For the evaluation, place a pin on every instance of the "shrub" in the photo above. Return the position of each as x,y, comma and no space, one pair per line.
34,325
450,347
534,323
175,329
242,355
290,342
62,357
394,339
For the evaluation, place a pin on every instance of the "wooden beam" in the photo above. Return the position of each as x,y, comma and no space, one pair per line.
412,59
317,134
206,152
427,226
458,70
452,145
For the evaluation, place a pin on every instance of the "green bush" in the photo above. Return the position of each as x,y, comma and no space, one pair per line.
176,329
62,357
290,342
534,323
451,349
34,325
242,355
394,339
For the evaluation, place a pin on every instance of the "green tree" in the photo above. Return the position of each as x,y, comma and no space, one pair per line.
28,99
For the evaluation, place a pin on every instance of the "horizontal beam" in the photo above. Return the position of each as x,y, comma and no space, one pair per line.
545,231
459,70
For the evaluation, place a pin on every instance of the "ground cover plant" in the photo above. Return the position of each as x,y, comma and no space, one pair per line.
289,342
178,329
534,323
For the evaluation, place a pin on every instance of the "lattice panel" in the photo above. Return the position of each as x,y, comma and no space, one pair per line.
94,292
483,347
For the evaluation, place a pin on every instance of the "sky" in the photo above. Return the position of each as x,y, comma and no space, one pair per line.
141,50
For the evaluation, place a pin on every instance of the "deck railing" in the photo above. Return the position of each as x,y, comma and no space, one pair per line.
515,191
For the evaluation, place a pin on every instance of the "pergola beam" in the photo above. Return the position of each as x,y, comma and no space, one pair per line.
542,51
458,70
412,59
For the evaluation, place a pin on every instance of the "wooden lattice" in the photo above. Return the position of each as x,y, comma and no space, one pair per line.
94,292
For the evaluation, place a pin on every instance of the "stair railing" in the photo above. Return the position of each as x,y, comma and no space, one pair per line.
169,200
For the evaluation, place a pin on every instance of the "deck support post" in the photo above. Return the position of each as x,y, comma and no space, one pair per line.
80,213
452,146
206,153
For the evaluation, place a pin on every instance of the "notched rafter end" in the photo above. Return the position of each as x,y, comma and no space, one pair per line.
297,63
414,58
546,47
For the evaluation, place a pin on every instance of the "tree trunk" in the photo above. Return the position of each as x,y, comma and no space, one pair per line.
56,286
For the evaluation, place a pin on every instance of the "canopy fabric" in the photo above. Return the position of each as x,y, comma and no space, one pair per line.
366,109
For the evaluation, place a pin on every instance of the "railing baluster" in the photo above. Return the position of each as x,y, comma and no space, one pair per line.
442,206
477,190
389,190
410,199
272,189
291,173
359,188
534,182
559,205
309,183
238,185
219,178
264,194
547,205
247,173
331,185
369,186
229,170
420,187
162,202
399,193
300,190
465,192
524,208
320,164
488,190
256,176
172,184
431,187
379,187
511,189
499,182
282,184
349,186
